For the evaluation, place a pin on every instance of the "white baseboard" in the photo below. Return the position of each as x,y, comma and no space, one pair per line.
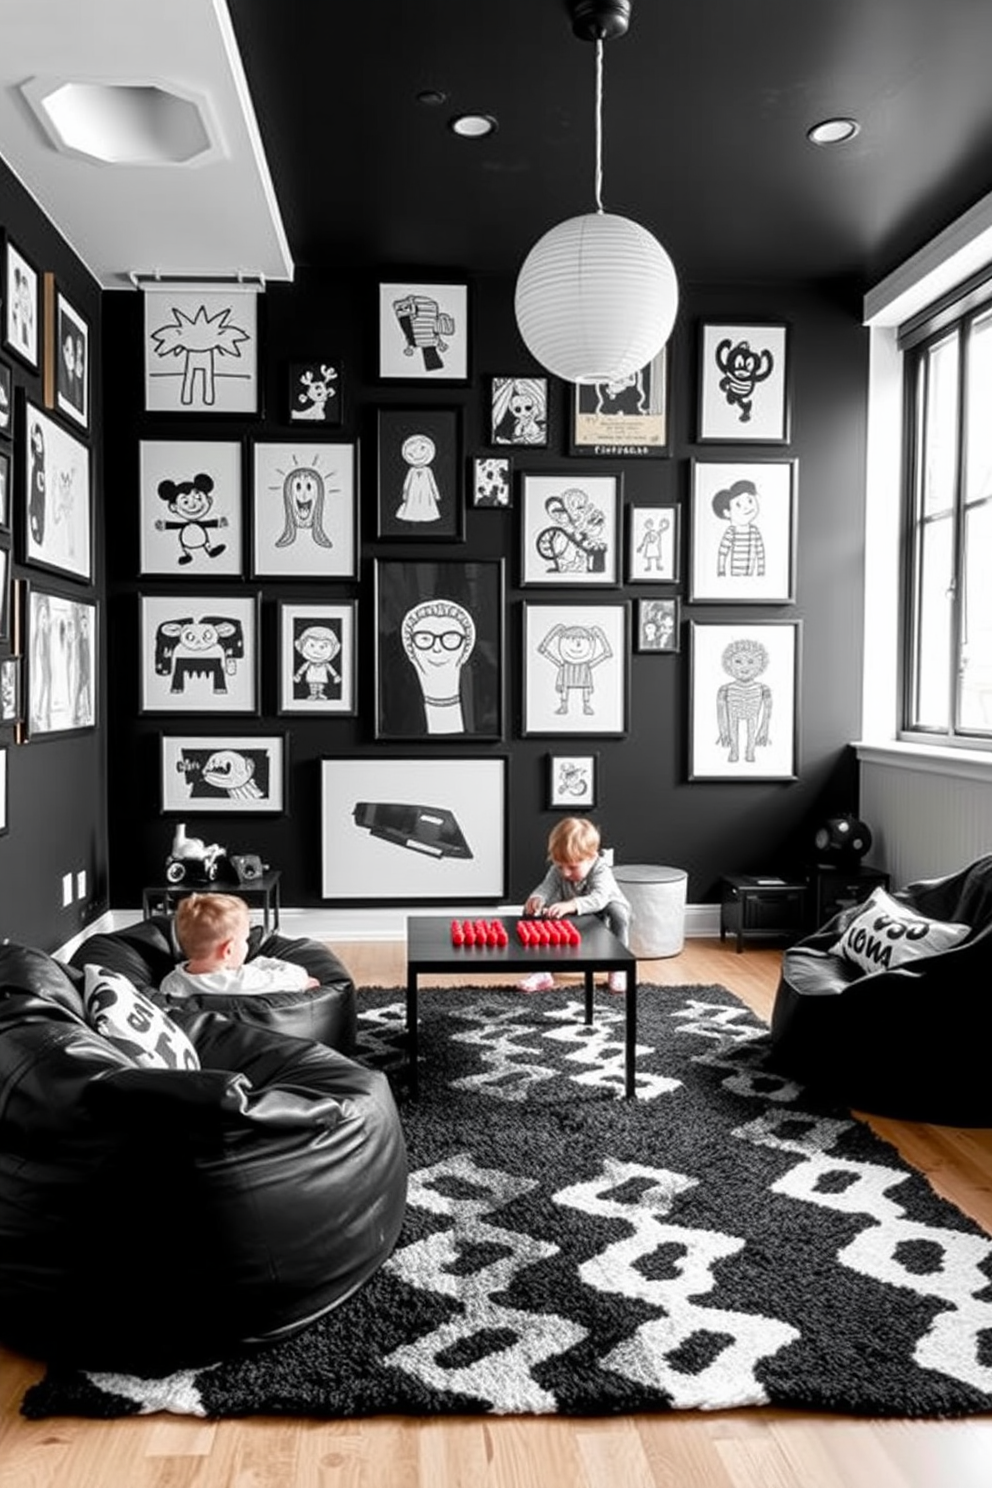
373,924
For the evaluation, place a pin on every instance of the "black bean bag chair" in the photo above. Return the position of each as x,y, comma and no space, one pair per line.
153,1219
147,951
910,1041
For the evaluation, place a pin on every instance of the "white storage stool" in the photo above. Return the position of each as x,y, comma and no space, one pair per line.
657,908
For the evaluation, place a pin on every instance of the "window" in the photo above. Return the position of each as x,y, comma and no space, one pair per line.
949,654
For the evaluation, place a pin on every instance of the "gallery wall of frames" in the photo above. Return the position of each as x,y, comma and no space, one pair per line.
54,835
384,599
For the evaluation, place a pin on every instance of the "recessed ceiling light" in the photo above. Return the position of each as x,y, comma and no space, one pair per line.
433,97
833,131
473,126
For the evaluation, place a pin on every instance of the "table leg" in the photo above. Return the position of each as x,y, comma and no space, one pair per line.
630,1036
275,908
589,993
411,1033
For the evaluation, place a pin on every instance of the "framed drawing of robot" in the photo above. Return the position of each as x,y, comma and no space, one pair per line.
743,709
423,332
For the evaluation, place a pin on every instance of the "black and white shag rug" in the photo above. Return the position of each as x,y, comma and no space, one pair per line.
724,1240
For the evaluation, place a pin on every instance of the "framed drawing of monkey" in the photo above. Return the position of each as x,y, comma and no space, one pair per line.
743,383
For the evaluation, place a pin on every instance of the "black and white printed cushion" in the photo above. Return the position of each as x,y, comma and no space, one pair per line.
887,934
129,1020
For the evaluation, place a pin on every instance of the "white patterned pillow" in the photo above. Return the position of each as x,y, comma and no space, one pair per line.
887,934
114,1008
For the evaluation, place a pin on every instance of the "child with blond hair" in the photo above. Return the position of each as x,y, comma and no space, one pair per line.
212,930
578,881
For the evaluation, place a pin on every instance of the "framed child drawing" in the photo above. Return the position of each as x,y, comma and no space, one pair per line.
743,532
744,383
191,498
743,709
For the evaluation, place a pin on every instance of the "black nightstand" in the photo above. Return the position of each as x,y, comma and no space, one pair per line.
754,905
833,888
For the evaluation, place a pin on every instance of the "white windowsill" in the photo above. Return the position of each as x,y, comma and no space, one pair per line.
928,759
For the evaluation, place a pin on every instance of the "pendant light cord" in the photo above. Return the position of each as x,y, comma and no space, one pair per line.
599,124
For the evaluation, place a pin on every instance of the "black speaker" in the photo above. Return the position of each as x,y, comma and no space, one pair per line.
842,839
248,866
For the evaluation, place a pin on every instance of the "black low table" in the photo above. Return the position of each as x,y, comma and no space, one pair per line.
429,948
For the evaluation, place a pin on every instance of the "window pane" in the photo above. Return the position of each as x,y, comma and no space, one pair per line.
975,690
978,457
933,636
940,433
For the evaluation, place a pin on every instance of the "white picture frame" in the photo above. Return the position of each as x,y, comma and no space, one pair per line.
413,829
191,508
224,774
22,306
304,508
572,781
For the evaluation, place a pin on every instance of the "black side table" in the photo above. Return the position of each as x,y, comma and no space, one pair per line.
163,898
761,905
834,887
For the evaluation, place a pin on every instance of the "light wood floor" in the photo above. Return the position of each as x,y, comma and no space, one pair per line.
732,1449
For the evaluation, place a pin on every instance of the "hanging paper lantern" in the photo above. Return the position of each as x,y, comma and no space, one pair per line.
596,298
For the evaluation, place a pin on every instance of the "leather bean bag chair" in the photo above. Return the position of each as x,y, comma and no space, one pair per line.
147,951
909,1040
153,1219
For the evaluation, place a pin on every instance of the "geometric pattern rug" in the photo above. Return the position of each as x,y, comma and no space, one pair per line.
727,1239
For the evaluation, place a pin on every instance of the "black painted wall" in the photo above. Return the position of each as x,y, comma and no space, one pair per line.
57,785
648,811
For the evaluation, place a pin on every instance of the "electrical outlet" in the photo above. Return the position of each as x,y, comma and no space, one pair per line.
81,884
66,890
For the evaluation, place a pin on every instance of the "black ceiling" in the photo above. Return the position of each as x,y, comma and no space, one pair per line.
707,103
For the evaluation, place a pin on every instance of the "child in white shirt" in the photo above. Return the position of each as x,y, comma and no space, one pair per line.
212,930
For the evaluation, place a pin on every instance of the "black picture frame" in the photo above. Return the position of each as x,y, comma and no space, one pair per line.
419,471
6,495
224,774
491,482
66,366
191,508
305,508
628,419
654,543
315,393
583,689
742,542
753,733
657,626
450,690
5,593
313,677
56,512
519,412
414,829
744,382
21,305
570,529
60,675
424,331
6,400
199,653
572,782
